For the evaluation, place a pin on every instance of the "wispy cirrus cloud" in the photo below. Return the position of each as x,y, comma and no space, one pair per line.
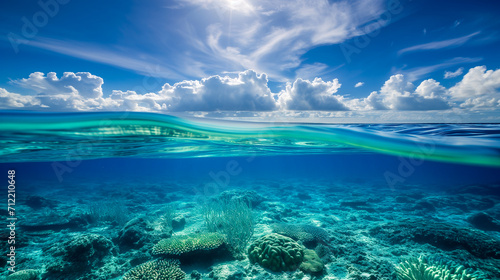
456,73
311,71
220,36
126,59
420,72
440,44
272,36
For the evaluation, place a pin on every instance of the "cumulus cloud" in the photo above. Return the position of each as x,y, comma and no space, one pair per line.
449,74
248,94
9,100
82,91
398,93
479,88
315,95
73,91
359,84
82,83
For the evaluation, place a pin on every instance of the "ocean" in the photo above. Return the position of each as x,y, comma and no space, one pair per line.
147,196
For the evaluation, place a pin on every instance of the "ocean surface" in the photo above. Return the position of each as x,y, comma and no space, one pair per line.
93,193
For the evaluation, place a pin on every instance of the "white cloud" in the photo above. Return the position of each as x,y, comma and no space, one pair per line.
311,71
315,95
386,116
118,57
440,44
248,92
82,83
449,74
275,34
248,95
132,101
359,84
420,72
225,6
479,88
230,35
82,91
9,100
374,101
73,91
398,93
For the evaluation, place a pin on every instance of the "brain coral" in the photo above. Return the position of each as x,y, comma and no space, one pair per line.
276,252
181,244
157,269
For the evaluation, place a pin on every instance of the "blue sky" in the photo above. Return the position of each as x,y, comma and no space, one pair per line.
395,60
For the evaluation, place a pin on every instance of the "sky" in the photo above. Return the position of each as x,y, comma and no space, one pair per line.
273,60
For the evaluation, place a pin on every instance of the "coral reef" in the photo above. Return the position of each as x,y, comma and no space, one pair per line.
156,270
422,269
139,232
27,274
37,202
251,197
484,222
355,240
312,264
78,255
234,219
440,235
276,252
181,244
304,233
225,271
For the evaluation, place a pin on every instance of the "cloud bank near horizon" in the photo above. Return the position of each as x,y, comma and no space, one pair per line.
479,90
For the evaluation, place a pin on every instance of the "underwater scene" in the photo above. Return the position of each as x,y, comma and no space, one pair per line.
152,196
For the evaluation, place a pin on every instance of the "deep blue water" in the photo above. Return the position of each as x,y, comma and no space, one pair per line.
366,168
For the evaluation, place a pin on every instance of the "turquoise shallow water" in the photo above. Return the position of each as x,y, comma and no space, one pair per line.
51,137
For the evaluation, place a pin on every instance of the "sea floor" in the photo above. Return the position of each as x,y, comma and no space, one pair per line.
370,228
